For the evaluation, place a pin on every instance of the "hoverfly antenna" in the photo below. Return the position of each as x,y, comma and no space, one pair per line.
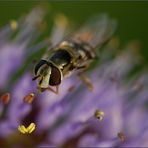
34,78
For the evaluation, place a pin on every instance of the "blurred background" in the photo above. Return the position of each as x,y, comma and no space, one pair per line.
132,16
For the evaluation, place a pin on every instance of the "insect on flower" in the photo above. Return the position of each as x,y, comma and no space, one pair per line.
74,53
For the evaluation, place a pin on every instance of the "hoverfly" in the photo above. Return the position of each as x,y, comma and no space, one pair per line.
74,53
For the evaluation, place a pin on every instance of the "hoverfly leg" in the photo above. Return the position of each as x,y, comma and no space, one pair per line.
84,78
86,81
81,67
57,89
50,89
54,91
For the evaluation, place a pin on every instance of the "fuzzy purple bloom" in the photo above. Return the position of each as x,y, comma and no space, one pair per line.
68,119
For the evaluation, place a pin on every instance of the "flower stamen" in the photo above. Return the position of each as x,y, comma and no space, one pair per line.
121,136
5,98
99,114
26,130
29,98
13,25
71,88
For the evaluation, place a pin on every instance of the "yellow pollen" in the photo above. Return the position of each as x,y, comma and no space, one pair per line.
5,98
121,136
13,25
99,114
27,130
29,98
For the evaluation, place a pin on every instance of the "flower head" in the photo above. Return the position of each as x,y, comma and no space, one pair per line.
70,119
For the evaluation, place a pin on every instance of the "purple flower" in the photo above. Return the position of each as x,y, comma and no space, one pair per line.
68,119
13,49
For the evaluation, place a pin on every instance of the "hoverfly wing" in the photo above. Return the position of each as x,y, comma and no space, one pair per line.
96,30
61,29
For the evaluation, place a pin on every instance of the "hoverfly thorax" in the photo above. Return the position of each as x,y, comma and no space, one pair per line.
47,74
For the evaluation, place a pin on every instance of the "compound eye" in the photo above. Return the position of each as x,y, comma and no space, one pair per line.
55,77
37,67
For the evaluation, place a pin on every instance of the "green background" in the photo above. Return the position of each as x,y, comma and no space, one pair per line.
132,16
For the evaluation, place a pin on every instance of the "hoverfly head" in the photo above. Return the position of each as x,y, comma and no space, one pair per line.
47,74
